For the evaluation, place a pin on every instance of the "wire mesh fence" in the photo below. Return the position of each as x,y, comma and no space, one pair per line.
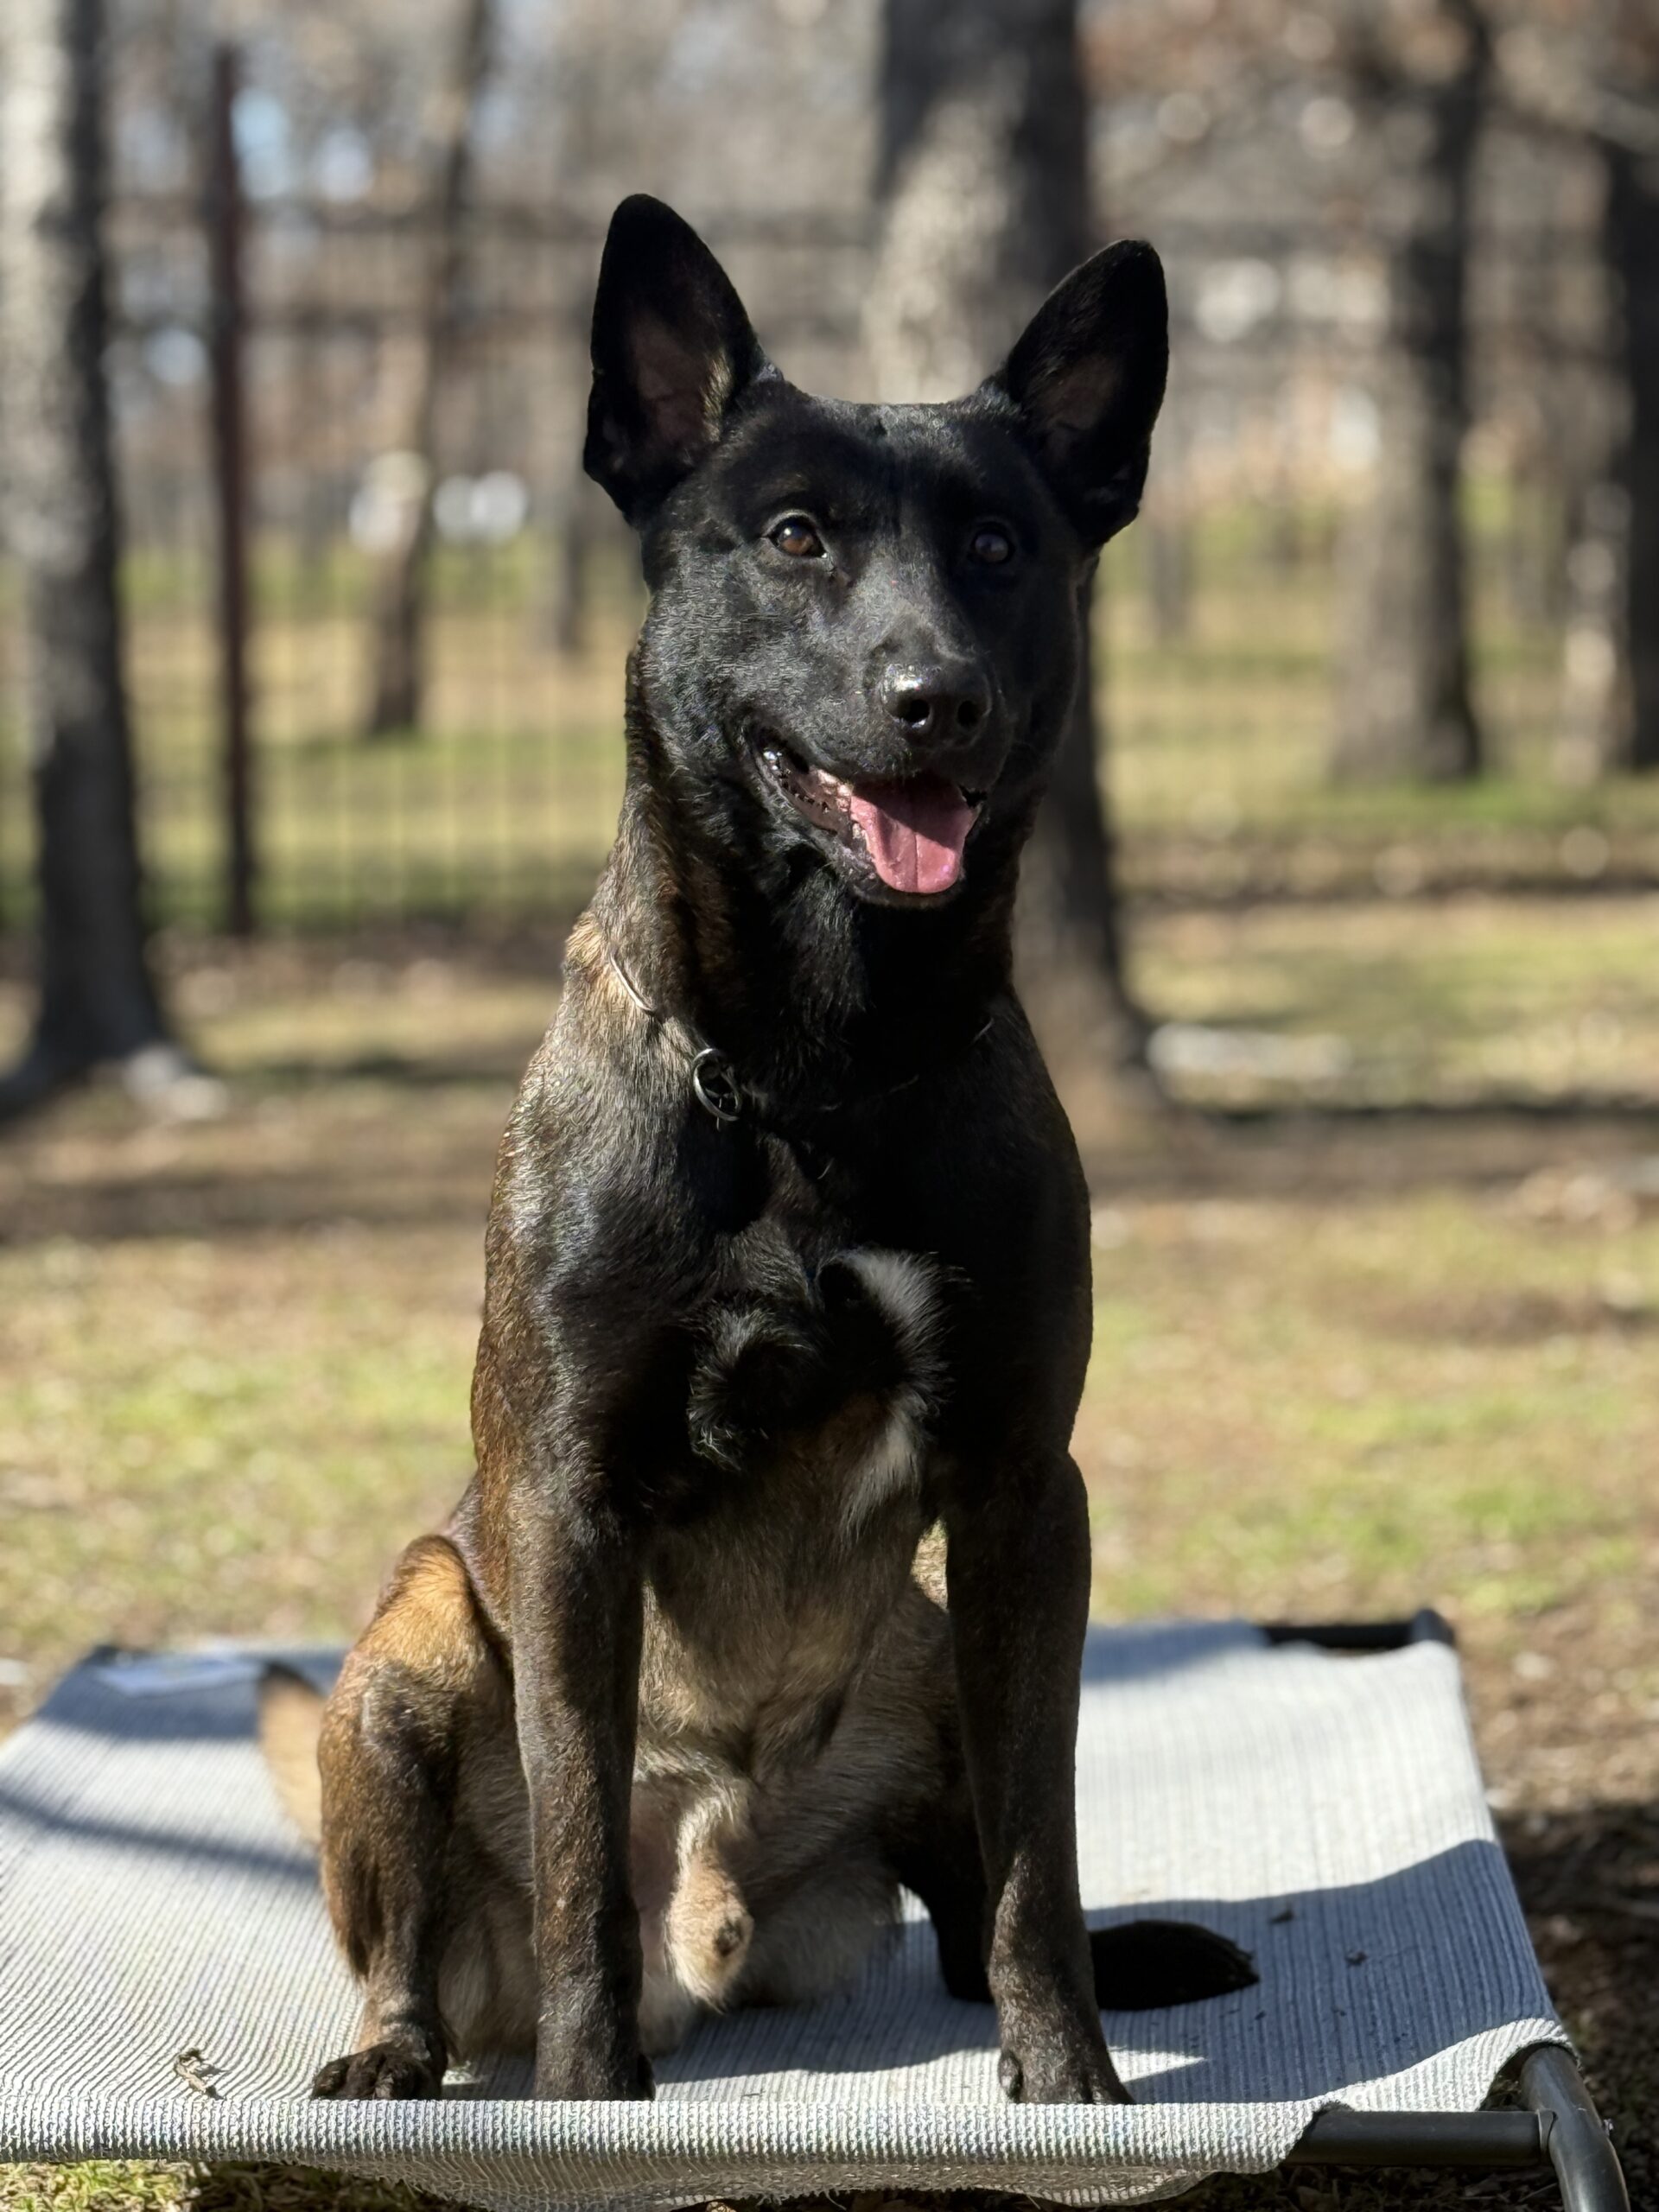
1221,614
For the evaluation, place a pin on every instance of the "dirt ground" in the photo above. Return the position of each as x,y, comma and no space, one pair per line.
1377,1328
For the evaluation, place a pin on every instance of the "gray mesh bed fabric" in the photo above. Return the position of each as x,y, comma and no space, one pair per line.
1327,1813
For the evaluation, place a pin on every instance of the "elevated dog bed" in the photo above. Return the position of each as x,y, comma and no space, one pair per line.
168,1983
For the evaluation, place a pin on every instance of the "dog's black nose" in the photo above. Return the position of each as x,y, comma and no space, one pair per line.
938,702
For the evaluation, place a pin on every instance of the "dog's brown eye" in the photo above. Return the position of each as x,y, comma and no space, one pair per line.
991,544
795,536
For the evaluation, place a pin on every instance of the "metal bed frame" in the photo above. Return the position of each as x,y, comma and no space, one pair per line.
1560,2127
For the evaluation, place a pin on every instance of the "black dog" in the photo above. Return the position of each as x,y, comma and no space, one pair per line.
788,1266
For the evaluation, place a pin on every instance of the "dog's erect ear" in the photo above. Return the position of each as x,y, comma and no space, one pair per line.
673,351
1087,378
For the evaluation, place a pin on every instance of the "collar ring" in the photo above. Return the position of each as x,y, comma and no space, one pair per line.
716,1087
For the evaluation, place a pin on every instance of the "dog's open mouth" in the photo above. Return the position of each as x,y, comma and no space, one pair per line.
913,833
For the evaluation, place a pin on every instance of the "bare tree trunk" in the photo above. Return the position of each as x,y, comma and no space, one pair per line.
399,589
1593,737
1404,706
569,615
983,190
1167,551
99,1003
1632,236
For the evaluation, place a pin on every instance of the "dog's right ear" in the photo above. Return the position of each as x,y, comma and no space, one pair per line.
673,353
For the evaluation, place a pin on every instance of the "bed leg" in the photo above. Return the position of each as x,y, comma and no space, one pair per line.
1585,2164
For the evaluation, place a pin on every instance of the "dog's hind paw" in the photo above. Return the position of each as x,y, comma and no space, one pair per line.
1142,1964
389,2071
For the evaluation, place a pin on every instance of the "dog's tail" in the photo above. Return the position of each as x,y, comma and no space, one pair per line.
290,1722
1143,1964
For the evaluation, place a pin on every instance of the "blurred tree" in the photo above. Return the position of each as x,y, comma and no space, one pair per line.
1591,68
99,1002
399,589
602,75
1595,720
1404,707
1631,233
983,194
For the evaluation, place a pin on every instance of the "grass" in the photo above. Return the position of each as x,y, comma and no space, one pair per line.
103,2183
266,1322
1346,1362
90,2187
1378,1404
1463,1000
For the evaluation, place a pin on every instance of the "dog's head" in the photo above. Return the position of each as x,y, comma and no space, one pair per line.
864,637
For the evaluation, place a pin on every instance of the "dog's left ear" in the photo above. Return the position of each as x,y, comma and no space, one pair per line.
673,353
1087,379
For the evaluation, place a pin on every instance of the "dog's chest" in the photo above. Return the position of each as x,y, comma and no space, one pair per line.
826,1373
812,1400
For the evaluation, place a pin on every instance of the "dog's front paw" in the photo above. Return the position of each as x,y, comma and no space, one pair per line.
1045,2071
750,1383
385,2070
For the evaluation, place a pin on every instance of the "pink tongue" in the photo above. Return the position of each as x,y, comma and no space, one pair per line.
915,831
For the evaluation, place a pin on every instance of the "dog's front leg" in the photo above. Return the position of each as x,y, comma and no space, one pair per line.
1018,1566
576,1616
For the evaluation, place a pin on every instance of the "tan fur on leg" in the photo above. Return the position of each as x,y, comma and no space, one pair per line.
708,1926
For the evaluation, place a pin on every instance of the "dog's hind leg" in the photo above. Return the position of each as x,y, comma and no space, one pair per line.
419,1699
933,1849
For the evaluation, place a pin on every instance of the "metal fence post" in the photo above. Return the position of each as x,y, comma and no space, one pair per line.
229,459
